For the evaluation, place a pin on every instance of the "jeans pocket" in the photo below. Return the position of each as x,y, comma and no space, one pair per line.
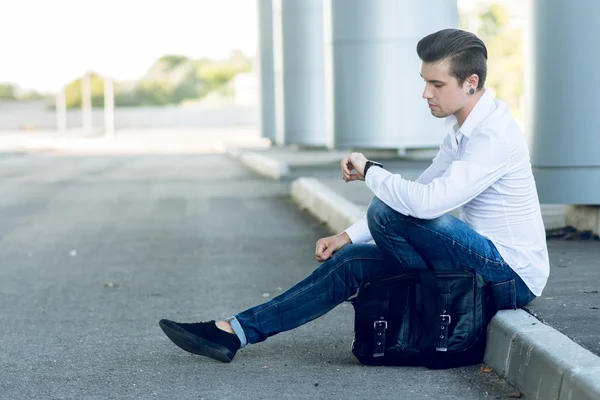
507,293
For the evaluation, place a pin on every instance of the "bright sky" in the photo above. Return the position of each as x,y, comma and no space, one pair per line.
47,43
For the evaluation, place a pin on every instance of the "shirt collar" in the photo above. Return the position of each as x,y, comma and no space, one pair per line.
483,108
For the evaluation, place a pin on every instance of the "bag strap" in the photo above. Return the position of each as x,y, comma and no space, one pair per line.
431,311
380,327
445,320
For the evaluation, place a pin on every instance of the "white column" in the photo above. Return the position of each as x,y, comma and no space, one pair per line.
299,68
328,75
266,69
109,107
375,71
278,73
562,100
86,103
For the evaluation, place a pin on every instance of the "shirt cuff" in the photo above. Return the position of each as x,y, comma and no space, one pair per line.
375,177
359,232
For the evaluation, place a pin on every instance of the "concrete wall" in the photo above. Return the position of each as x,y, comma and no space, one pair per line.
35,115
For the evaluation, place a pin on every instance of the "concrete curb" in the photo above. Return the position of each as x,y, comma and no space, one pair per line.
233,152
539,360
267,165
263,165
322,202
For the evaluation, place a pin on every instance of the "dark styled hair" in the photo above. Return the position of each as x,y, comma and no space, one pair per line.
465,51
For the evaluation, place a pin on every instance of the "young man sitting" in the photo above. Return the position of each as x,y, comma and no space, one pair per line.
482,166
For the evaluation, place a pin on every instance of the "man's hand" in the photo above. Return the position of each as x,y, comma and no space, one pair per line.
354,161
329,245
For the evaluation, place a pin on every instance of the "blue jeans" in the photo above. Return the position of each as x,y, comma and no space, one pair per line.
401,243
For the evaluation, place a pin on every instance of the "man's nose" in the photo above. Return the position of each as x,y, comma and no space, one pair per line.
426,93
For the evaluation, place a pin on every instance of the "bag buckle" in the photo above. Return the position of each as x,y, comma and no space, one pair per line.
384,323
444,316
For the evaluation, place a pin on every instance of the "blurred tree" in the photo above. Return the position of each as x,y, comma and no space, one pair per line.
215,76
73,92
503,40
172,60
187,89
31,95
172,79
493,21
154,93
7,91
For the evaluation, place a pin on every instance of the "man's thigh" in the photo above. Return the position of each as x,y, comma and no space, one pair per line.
446,243
443,243
365,263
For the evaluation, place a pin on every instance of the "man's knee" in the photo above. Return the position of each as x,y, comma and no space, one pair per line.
342,265
377,211
380,214
350,252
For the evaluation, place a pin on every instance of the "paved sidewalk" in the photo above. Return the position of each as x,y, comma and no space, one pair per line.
570,303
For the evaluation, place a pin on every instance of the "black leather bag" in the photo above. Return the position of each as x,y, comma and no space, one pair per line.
437,319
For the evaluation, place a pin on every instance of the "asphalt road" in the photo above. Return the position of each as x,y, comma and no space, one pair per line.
95,250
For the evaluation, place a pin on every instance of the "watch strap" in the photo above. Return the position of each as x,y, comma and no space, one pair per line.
370,164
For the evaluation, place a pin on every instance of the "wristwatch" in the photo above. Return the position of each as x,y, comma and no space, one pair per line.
370,164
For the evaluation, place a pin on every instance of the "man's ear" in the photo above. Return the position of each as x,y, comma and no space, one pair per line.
473,81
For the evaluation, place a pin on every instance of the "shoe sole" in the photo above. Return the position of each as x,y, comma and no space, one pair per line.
195,344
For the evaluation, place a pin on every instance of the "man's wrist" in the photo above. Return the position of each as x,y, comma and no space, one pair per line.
370,164
345,237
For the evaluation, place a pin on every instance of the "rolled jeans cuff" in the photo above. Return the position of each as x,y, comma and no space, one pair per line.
237,328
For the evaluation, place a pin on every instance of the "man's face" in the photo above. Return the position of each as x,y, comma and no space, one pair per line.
442,92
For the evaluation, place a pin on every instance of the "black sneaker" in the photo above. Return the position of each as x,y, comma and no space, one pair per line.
203,338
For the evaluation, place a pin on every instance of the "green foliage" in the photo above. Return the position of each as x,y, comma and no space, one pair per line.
493,22
73,92
154,93
172,79
188,89
31,95
172,61
505,56
216,75
7,92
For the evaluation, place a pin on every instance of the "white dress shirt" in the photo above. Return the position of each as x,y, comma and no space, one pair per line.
483,167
